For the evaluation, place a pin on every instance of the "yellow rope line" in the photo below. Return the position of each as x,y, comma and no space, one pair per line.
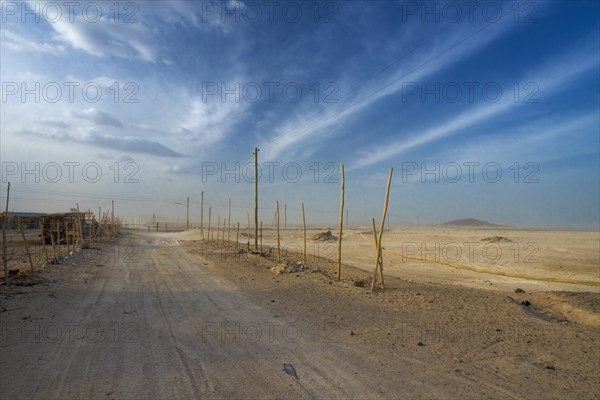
487,271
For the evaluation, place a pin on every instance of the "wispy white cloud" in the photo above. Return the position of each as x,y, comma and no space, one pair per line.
15,42
550,78
109,38
443,52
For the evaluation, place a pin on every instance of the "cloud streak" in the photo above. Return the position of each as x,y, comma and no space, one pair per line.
115,143
97,117
551,78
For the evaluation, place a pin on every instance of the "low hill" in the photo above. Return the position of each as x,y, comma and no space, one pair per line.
468,222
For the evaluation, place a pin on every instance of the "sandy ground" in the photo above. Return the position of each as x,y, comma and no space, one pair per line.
548,259
165,315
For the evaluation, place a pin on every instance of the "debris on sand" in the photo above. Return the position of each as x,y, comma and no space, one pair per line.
325,236
289,267
519,290
290,370
496,239
361,283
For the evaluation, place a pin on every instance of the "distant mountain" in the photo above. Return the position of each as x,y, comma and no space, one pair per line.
469,222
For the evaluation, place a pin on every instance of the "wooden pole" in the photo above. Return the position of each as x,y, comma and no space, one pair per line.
67,236
52,241
374,233
237,237
378,258
44,242
256,150
341,224
261,238
4,226
278,239
285,216
248,228
26,245
218,227
209,212
225,222
379,264
304,226
202,214
229,221
347,226
187,213
112,219
90,225
79,226
58,236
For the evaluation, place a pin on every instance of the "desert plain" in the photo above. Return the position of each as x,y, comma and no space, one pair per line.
466,312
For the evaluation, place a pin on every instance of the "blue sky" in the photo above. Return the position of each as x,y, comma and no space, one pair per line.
500,105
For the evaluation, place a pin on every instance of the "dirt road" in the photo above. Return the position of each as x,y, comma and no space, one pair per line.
146,318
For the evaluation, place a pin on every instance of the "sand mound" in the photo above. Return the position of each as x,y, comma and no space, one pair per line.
496,239
325,236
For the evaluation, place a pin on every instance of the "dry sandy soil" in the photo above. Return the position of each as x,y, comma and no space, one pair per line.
167,315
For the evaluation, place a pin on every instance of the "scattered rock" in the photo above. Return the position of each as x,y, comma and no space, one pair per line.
361,283
289,267
526,303
325,236
496,239
352,333
519,290
420,344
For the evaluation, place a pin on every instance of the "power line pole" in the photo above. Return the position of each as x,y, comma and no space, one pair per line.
256,150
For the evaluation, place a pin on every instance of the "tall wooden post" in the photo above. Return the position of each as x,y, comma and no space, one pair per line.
44,242
79,226
112,219
347,225
187,213
379,259
4,227
261,238
229,221
52,242
256,150
26,244
278,239
248,229
285,216
58,236
202,214
341,224
237,237
304,226
209,212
